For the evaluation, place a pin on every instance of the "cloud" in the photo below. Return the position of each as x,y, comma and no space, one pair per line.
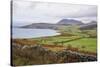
50,12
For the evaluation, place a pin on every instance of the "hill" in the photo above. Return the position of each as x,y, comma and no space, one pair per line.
91,25
63,22
41,26
69,22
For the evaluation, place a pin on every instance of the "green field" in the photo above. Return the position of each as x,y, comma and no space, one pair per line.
54,39
86,44
83,40
71,39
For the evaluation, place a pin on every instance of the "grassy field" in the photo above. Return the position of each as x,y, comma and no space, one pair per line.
86,44
54,39
85,40
51,49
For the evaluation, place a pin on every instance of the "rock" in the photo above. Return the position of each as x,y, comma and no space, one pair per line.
37,54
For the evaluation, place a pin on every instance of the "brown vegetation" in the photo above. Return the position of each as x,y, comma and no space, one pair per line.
37,54
24,41
52,47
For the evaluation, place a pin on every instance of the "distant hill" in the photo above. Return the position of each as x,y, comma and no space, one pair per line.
91,25
70,22
61,23
64,22
42,26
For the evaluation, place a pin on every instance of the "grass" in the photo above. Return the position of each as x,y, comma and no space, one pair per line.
69,36
55,39
86,44
70,39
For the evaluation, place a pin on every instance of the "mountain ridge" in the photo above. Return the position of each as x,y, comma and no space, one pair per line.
63,22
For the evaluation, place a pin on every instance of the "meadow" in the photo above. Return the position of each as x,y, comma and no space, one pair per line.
72,45
83,40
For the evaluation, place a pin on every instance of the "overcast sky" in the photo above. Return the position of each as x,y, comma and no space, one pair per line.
34,12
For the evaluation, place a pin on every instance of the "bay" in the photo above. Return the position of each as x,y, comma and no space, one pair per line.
32,33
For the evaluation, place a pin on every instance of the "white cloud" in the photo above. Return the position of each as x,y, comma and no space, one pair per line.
50,12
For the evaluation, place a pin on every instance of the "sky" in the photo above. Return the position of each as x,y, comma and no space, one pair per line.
47,12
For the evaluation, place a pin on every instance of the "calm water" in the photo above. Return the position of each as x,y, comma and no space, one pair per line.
32,33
